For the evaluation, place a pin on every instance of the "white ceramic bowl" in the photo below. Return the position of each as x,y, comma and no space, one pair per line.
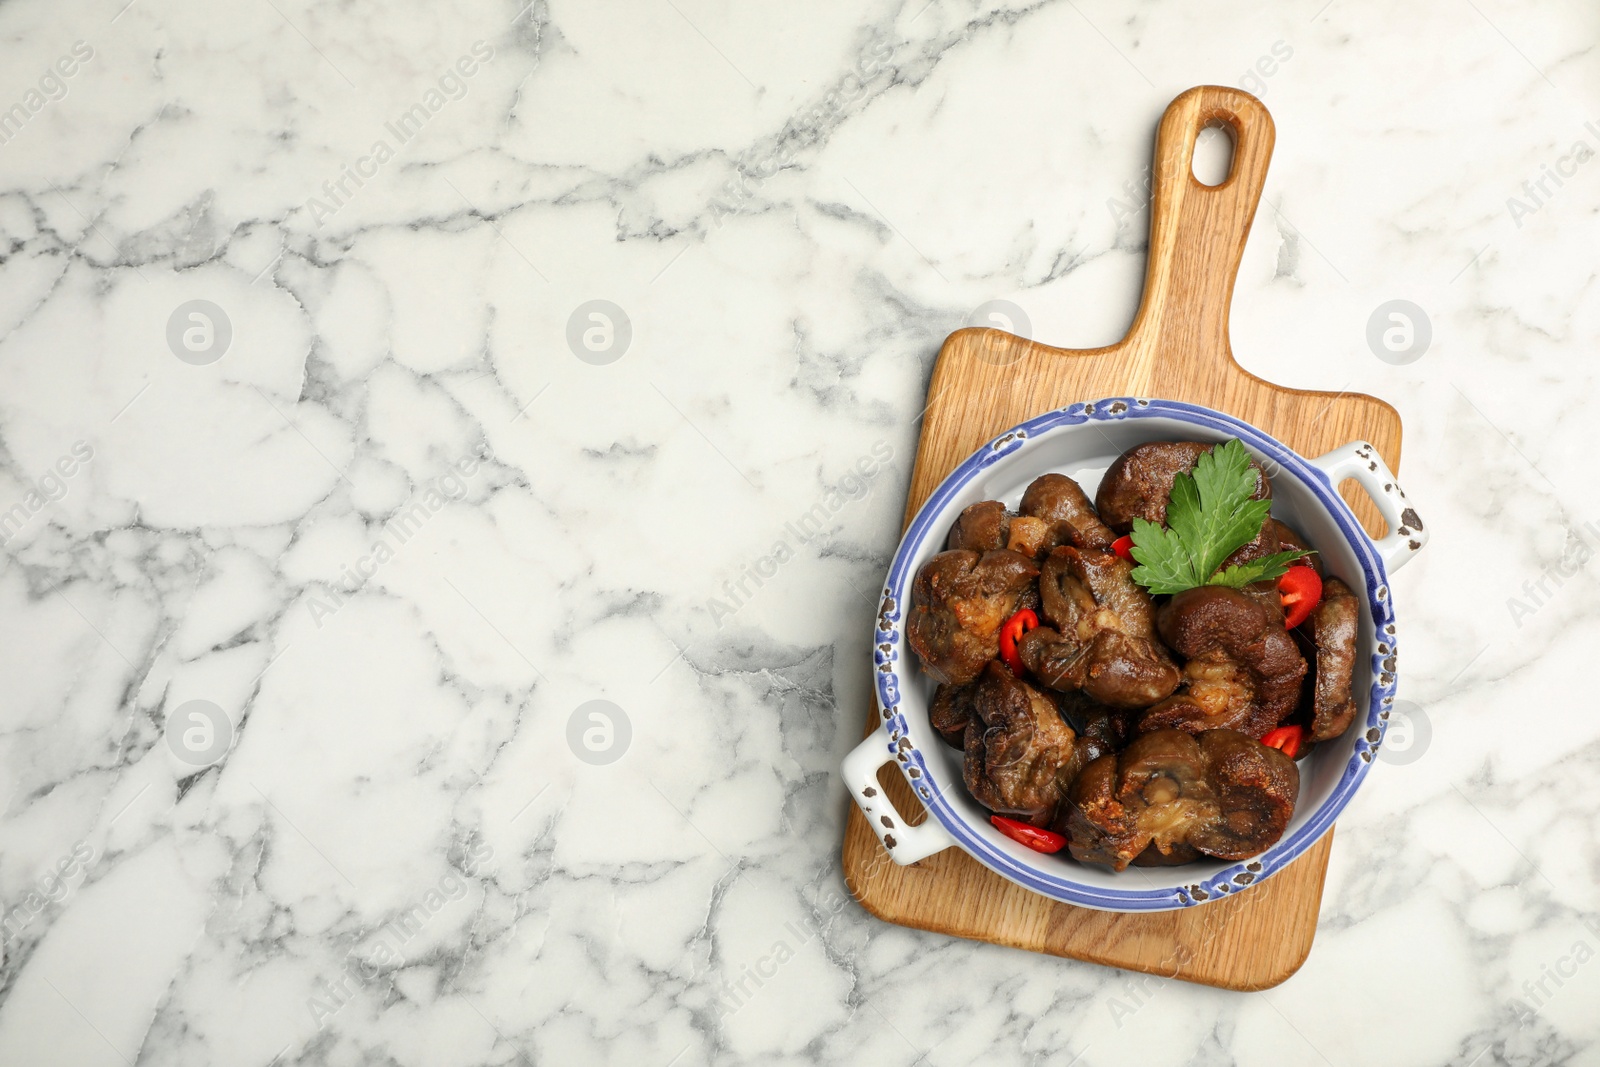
1081,441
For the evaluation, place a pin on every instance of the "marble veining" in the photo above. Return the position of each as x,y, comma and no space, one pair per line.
449,457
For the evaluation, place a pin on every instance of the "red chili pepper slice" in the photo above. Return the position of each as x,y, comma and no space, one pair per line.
1300,590
1022,833
1123,546
1011,632
1286,739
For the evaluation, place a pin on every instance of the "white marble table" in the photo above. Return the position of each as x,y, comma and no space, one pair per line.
310,586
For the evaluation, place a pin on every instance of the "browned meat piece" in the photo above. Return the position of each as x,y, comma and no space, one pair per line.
950,712
1266,594
1242,669
1104,640
1029,598
1182,852
1072,580
1107,729
1331,633
1020,753
1275,536
1215,694
1169,796
958,602
1064,507
1290,539
1113,668
1098,827
1256,788
987,526
1029,536
1138,484
980,527
1264,544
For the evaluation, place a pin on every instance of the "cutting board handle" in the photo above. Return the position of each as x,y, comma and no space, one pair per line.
1197,231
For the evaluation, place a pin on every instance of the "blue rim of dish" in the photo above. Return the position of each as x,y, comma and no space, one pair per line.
924,780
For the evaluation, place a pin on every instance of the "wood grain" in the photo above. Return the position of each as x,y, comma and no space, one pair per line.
986,381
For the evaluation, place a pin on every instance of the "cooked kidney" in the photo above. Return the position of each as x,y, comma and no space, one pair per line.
1055,511
1242,670
1103,640
1332,635
1064,507
1021,755
950,712
1222,794
958,602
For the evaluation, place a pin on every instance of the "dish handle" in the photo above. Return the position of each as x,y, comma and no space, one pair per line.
904,843
1360,460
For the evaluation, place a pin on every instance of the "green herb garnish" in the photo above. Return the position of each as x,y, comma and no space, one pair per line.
1210,515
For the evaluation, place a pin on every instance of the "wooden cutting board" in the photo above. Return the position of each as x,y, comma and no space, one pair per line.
986,381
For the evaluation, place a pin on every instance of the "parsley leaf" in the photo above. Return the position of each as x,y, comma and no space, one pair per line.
1211,513
1164,564
1242,574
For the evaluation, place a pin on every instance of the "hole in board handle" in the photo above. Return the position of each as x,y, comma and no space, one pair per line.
1213,154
